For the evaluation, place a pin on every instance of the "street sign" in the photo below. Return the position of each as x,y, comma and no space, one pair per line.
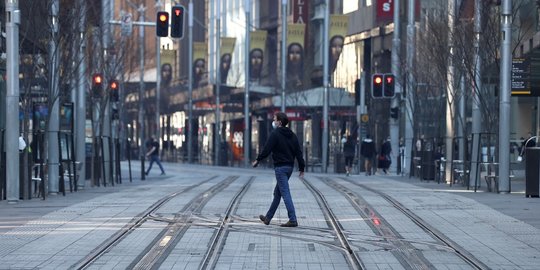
521,84
127,24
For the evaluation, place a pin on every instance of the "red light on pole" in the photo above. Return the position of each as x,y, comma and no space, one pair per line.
162,24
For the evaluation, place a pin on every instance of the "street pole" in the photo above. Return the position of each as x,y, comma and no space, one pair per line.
283,53
247,130
325,42
462,117
54,123
158,80
217,80
476,88
12,100
190,84
106,124
80,104
142,148
410,96
450,92
504,105
396,67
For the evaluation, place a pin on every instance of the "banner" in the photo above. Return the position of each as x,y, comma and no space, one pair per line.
300,11
339,25
256,54
295,55
200,74
168,65
227,48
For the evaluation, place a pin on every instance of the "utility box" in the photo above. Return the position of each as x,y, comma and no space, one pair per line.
532,171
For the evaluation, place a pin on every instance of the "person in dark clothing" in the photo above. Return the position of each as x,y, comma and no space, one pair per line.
349,149
367,150
153,153
285,148
384,157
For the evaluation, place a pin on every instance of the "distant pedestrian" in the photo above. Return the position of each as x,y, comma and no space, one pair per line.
367,150
384,156
349,150
285,148
153,154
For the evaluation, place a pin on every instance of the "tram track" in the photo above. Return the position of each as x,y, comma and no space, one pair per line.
352,258
134,223
447,243
211,257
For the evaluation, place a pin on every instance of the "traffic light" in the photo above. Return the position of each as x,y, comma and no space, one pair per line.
113,90
177,21
394,112
162,24
97,85
377,85
389,83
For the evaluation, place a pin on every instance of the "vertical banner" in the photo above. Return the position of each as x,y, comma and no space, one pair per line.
338,29
227,48
256,54
200,74
300,11
168,67
295,55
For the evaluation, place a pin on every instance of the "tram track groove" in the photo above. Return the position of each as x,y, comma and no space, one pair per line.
354,261
211,257
134,223
436,234
157,251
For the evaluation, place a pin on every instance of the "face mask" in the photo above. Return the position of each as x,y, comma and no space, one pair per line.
274,124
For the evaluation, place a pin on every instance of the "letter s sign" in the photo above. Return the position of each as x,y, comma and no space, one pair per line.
387,7
385,10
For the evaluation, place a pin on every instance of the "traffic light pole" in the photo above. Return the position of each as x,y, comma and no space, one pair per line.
142,148
190,84
450,92
283,53
396,67
218,80
12,100
410,95
247,130
54,123
325,86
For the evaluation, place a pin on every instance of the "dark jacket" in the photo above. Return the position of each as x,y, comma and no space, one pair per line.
367,149
349,148
284,146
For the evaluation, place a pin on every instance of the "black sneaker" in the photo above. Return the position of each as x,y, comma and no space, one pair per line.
162,173
290,224
264,220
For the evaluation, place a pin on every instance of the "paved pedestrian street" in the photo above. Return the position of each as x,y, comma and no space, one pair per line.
204,217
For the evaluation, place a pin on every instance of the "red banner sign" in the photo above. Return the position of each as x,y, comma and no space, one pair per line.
300,11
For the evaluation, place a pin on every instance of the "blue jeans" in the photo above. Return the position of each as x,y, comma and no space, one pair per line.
155,158
282,190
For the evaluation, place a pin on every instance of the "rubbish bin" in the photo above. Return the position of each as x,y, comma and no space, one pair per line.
339,163
532,171
428,166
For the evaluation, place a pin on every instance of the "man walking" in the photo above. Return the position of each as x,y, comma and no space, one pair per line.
284,146
153,153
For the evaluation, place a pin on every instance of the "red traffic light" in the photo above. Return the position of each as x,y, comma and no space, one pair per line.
97,79
162,24
389,79
114,85
377,79
163,18
177,21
